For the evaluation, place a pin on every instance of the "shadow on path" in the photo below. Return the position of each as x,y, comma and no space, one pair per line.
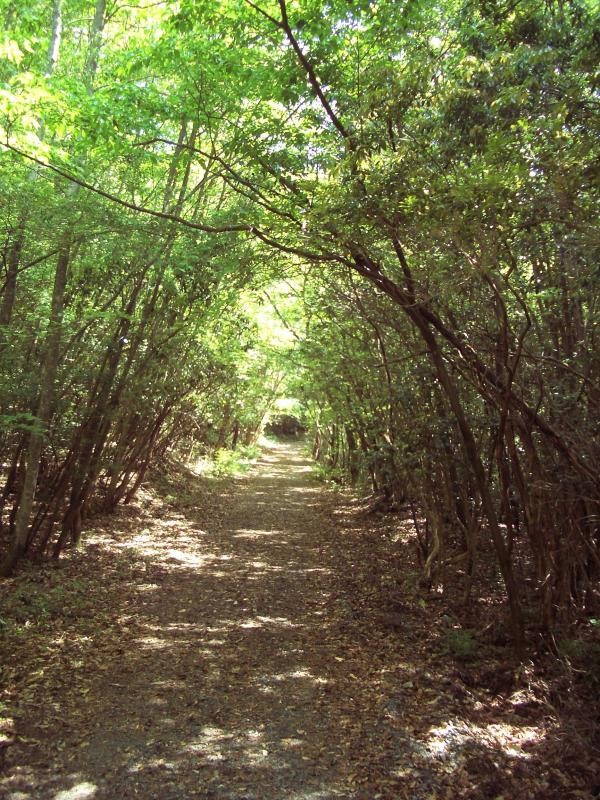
218,657
215,684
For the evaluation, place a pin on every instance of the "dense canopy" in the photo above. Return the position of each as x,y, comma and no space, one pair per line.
386,210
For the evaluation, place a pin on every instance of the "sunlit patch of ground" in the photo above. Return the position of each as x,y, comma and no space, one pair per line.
457,736
253,533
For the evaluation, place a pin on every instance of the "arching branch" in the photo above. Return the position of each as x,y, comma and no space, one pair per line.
238,227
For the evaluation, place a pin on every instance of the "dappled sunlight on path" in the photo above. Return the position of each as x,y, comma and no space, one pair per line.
217,689
225,655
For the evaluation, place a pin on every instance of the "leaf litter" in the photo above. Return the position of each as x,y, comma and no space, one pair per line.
263,639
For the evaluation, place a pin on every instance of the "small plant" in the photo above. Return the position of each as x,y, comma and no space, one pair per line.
460,643
328,474
584,655
228,463
31,605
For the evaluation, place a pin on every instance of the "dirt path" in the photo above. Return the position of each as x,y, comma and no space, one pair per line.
229,647
215,681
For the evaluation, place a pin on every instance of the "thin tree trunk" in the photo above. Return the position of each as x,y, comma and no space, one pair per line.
10,287
43,411
474,460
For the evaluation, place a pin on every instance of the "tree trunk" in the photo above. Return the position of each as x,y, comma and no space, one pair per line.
474,460
43,411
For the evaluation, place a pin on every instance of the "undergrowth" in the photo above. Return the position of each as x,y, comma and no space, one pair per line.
227,463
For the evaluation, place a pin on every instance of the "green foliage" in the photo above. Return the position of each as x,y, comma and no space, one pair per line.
329,474
460,644
284,424
397,228
228,463
30,606
584,656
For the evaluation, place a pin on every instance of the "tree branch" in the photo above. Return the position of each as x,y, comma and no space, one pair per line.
310,73
264,13
296,251
238,227
263,200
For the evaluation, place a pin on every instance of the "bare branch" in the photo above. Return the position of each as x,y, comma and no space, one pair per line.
309,255
263,200
312,77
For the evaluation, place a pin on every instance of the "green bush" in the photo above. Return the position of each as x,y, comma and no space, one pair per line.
328,474
31,604
460,643
285,425
233,462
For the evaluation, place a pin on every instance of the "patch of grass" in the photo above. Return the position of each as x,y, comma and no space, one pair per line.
460,643
31,605
34,606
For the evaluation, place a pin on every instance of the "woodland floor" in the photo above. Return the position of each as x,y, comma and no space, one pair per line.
249,639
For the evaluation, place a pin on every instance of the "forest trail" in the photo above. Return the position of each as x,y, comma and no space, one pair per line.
228,646
221,673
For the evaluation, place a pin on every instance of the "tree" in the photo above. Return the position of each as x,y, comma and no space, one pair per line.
423,175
